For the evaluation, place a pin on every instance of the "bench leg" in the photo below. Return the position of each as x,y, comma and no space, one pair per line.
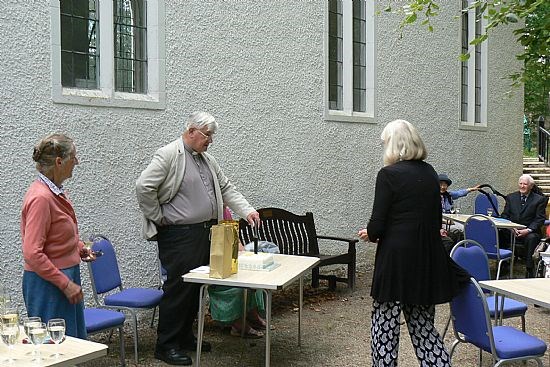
351,276
315,278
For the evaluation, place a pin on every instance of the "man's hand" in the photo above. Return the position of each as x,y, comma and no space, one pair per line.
87,255
253,219
520,233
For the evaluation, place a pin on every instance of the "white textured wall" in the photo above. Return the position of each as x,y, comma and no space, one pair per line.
258,67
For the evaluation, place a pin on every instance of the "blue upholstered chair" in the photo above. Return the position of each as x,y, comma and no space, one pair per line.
108,291
481,229
472,257
482,203
472,325
99,320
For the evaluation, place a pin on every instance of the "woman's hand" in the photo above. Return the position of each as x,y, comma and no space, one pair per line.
73,292
87,255
362,234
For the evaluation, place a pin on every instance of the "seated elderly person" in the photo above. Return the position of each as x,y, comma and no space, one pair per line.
526,207
455,232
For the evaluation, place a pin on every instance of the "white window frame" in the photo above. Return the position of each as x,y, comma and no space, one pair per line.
347,113
106,95
470,120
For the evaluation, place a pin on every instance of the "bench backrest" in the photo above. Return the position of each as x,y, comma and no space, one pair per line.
294,234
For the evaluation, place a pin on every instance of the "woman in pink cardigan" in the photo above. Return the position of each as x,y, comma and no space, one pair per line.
52,249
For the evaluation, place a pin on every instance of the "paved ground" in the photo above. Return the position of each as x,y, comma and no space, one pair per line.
336,332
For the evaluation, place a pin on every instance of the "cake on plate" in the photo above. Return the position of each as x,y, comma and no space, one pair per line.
252,261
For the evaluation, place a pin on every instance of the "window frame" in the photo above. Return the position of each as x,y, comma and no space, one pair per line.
347,114
470,121
106,95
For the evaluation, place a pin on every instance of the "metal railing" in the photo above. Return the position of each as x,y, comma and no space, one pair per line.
544,145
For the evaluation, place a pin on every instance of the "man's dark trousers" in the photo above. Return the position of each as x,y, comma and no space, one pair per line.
181,248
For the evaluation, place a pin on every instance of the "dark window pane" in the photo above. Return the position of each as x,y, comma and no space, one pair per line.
359,77
335,97
359,100
79,43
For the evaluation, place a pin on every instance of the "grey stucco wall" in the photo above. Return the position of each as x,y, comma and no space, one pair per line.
257,66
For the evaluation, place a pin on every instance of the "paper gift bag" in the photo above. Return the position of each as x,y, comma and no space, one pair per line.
235,252
221,249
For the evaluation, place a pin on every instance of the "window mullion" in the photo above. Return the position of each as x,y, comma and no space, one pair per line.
106,35
471,66
347,10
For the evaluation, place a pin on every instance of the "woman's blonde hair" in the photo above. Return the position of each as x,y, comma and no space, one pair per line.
49,148
402,143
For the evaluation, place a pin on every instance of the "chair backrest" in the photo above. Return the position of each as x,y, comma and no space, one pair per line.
482,203
471,256
294,234
470,316
104,271
481,229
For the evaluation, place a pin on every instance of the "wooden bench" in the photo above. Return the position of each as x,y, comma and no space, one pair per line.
296,235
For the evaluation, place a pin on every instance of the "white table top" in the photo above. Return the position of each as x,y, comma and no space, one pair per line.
531,290
499,222
74,351
291,267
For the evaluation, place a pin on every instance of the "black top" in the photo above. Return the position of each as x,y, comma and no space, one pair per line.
411,264
532,214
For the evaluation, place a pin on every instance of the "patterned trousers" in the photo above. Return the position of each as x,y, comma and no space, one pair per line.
426,341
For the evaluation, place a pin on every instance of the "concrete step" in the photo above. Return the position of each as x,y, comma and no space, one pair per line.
536,169
540,175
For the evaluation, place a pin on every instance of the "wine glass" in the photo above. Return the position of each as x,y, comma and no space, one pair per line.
452,210
38,334
10,334
56,329
29,322
10,315
489,212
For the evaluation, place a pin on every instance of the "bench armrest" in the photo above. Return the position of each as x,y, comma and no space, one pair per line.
351,241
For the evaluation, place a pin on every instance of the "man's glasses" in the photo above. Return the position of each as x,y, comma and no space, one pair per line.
207,136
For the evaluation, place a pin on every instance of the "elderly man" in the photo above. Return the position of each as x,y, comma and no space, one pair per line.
181,194
528,208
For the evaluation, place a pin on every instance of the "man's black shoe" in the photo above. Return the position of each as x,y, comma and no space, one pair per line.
173,356
192,346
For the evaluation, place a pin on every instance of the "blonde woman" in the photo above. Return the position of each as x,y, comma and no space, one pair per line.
412,270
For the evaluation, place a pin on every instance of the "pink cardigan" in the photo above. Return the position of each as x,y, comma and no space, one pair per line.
50,234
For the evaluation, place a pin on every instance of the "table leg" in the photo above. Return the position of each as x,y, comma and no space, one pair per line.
200,322
513,241
267,327
301,302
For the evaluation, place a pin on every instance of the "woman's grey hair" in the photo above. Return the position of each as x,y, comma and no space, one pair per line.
402,143
199,120
529,178
49,148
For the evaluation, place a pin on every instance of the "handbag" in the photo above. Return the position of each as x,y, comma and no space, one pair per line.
222,241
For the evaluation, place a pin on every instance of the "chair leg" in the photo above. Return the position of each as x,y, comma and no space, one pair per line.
153,318
447,324
134,326
122,349
523,323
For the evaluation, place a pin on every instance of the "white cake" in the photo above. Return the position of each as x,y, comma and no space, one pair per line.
252,261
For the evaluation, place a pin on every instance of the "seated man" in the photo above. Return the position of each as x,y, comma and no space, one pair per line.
528,208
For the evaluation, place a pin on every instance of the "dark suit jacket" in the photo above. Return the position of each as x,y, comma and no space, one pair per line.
532,214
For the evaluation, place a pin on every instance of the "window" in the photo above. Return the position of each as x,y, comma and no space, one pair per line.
108,52
350,60
473,96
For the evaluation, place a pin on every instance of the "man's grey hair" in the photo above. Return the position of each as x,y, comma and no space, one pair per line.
529,178
198,120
